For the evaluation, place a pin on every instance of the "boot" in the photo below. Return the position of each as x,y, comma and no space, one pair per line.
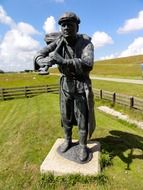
83,152
68,140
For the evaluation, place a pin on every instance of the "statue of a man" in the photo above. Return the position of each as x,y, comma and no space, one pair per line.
74,55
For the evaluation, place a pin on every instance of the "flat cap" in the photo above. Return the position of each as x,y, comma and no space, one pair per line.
69,16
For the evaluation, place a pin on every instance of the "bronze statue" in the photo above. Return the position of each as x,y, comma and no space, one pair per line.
42,69
74,55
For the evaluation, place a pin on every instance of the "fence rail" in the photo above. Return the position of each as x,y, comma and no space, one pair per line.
30,91
27,91
130,101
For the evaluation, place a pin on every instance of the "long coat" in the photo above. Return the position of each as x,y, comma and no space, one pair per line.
79,62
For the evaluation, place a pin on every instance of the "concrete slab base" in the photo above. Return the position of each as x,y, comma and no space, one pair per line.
59,165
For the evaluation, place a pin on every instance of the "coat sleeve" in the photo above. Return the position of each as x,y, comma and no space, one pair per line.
42,56
85,63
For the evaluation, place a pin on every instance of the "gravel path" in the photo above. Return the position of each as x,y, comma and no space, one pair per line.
120,116
118,80
110,79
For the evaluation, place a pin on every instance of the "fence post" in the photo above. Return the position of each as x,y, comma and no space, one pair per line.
131,102
25,91
101,94
114,98
2,93
47,90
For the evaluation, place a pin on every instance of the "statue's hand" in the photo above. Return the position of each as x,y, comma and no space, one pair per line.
49,61
56,57
44,69
45,61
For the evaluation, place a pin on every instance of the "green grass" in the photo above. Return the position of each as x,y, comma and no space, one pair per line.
25,79
29,128
28,79
122,88
135,90
132,113
28,131
130,71
127,67
138,59
14,80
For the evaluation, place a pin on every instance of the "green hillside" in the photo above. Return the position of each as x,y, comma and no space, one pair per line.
138,59
127,67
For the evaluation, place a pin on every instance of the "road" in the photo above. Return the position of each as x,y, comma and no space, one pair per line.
131,81
118,80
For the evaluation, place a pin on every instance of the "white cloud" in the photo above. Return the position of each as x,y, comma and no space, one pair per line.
26,28
17,50
100,39
132,24
112,56
17,46
50,25
135,48
4,19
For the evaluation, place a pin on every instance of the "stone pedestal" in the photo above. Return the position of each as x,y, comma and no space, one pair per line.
59,165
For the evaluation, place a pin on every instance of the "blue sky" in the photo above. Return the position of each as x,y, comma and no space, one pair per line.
116,27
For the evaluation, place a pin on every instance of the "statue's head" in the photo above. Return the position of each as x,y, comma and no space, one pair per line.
69,23
69,16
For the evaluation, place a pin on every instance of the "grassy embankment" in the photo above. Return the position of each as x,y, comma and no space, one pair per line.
127,67
29,128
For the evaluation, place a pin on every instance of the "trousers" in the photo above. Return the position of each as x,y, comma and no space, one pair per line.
73,107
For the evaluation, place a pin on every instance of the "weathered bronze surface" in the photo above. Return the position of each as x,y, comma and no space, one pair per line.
74,55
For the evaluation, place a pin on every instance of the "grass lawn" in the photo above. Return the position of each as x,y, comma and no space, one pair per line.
26,79
122,88
29,128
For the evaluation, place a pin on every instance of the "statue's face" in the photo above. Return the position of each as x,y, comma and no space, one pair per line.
69,29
